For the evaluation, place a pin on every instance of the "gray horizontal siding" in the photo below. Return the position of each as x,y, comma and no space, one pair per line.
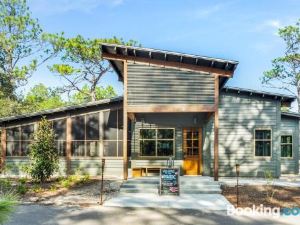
290,126
14,166
157,85
113,167
239,116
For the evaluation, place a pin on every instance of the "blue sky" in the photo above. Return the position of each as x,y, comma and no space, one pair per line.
240,30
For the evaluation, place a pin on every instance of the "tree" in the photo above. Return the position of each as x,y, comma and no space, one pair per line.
100,92
285,73
81,63
40,98
44,160
20,46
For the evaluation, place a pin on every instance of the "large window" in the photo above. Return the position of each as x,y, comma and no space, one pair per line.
286,146
59,127
157,142
263,139
19,139
85,135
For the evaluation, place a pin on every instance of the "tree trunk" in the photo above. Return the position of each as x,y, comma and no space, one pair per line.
93,95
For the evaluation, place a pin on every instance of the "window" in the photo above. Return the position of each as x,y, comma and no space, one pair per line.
19,139
287,146
263,140
191,142
157,142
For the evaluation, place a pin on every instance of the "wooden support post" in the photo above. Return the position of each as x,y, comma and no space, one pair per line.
216,130
69,144
125,125
3,147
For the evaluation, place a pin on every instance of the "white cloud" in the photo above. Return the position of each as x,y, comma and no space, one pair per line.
62,6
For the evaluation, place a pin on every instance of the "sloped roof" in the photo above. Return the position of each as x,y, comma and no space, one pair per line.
281,97
62,109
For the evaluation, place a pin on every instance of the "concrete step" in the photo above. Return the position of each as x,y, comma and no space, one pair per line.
134,185
201,191
139,190
185,186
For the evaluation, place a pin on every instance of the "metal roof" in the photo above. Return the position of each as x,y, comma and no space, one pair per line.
62,109
282,97
163,55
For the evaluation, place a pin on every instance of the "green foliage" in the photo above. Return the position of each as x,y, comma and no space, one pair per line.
41,98
8,204
285,72
21,188
81,64
19,43
43,153
12,107
270,184
101,93
5,185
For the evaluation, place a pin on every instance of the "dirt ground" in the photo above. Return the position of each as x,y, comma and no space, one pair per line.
257,194
84,194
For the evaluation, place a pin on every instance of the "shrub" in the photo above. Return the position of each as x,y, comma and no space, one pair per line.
43,153
270,184
5,185
8,204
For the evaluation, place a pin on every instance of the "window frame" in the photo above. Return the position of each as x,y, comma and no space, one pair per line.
271,144
156,141
20,139
292,144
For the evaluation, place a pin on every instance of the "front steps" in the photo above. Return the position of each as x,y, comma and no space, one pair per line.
188,185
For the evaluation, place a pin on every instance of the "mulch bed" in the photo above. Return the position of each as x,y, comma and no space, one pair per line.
250,195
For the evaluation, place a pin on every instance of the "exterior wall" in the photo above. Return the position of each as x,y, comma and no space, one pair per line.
157,85
239,116
290,126
208,146
93,167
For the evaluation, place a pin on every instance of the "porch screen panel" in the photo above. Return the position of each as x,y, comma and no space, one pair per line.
59,127
18,140
112,133
86,135
13,141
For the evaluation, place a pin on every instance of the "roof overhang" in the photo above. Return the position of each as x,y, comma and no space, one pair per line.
264,94
291,115
116,54
61,109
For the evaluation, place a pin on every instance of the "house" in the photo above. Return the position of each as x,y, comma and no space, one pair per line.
174,105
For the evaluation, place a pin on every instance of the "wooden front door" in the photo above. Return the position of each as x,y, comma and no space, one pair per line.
192,151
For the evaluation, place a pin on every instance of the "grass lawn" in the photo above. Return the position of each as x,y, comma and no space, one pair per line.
258,194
